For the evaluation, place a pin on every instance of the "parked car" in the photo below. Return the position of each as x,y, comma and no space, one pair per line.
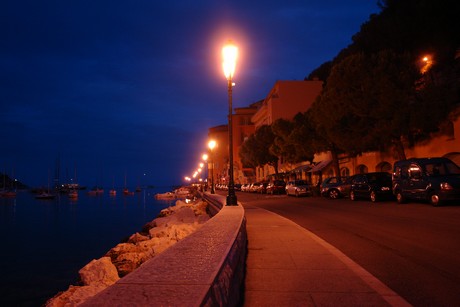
276,187
244,187
335,187
435,180
261,188
298,188
374,186
253,187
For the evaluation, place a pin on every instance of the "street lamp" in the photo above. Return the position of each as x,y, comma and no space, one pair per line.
212,145
230,53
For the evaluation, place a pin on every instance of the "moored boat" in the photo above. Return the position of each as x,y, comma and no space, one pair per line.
167,195
96,191
45,195
73,194
8,194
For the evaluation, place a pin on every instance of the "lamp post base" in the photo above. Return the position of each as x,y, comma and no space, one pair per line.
231,200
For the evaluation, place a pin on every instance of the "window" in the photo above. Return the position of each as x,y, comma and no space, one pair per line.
361,169
415,172
384,167
344,172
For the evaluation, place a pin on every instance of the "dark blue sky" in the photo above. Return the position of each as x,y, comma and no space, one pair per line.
131,87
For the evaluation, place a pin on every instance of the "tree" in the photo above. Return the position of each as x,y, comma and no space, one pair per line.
255,150
366,102
282,145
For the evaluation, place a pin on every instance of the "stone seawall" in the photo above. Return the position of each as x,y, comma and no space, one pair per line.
204,269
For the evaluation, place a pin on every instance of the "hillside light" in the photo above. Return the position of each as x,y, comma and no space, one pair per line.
230,54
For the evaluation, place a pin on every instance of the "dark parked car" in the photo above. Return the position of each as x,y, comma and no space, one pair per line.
374,186
276,187
428,179
298,188
261,188
335,187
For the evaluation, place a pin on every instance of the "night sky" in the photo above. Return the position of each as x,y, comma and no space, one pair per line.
115,88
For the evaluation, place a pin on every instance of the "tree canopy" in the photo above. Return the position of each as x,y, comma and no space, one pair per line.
375,94
255,151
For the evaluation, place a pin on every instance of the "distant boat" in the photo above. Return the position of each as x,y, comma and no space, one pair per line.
8,194
73,194
96,191
45,195
113,192
126,190
167,195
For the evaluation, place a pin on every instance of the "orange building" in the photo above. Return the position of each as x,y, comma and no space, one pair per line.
218,158
285,100
242,129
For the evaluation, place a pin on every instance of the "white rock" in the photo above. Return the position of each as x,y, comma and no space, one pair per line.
101,271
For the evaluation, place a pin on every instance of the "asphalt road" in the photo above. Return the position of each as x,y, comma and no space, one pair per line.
413,248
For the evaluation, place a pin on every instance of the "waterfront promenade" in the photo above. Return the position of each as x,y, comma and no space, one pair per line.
280,264
289,266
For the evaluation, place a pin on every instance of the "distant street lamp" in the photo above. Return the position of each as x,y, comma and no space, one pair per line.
230,53
212,145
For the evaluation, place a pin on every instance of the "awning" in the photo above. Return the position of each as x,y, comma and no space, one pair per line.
302,168
320,166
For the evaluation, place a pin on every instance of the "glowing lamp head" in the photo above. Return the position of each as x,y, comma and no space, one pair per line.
212,144
229,54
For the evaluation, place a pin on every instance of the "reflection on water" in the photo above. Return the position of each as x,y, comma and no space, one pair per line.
46,242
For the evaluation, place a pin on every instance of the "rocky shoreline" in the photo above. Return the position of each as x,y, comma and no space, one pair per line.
171,225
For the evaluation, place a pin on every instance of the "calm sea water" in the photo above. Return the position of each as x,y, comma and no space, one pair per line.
45,242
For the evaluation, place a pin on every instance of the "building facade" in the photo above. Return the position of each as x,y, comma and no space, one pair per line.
285,100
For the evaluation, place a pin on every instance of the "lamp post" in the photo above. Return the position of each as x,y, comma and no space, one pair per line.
229,53
211,145
205,159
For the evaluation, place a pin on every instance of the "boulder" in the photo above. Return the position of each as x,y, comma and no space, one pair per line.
184,215
101,271
162,221
137,237
128,262
95,276
159,231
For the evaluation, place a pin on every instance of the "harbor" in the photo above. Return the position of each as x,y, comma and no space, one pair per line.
48,240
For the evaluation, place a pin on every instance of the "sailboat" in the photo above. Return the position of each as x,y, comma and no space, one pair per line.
113,192
73,187
125,189
73,194
47,194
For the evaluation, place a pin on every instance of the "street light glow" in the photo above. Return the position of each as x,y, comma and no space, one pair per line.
212,144
229,54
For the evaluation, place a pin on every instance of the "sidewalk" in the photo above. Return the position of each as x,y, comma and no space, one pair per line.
289,266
